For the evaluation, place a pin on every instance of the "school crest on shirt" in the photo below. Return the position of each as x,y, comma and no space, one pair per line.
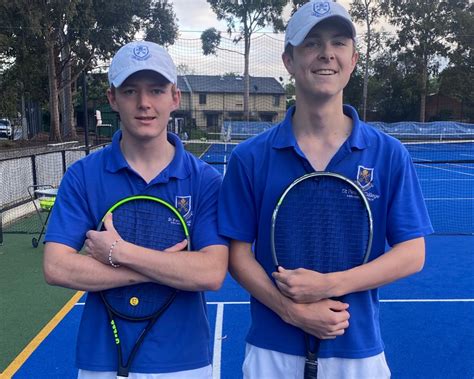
183,205
320,9
365,177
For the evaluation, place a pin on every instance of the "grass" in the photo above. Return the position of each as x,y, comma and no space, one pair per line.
27,303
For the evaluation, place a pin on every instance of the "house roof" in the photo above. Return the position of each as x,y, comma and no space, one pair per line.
228,84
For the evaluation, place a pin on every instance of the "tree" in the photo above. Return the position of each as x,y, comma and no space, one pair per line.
72,36
244,17
424,27
457,79
368,12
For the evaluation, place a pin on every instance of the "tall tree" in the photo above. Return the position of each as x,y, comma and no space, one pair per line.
367,12
457,79
74,35
244,17
423,29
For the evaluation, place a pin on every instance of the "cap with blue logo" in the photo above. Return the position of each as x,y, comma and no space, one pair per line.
312,13
141,55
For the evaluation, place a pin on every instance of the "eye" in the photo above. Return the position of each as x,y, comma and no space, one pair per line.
311,43
157,91
128,91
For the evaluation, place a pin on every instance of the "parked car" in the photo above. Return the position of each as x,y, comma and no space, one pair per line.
6,130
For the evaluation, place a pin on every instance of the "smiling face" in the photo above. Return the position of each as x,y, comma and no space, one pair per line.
144,102
323,63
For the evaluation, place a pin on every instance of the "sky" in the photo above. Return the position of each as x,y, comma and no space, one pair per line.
196,15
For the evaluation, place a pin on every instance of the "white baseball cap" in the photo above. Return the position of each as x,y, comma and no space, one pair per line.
310,14
141,55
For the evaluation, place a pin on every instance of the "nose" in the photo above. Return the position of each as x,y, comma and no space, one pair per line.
327,52
143,100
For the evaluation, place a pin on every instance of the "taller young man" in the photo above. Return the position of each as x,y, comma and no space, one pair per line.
320,134
143,159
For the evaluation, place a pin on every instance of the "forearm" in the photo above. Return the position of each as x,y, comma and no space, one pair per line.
249,274
186,270
64,267
325,319
402,260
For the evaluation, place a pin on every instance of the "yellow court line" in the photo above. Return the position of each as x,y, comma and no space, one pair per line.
40,337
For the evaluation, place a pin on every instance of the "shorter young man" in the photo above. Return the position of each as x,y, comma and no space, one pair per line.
143,159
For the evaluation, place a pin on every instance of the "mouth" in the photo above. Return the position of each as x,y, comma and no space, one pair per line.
145,118
325,72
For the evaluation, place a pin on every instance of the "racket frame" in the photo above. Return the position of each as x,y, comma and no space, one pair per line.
353,185
311,359
123,370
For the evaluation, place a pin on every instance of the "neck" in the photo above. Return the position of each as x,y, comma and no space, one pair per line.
322,119
147,157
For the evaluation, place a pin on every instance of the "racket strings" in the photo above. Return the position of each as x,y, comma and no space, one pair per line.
322,225
152,225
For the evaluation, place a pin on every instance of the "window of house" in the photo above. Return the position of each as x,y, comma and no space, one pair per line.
276,100
202,98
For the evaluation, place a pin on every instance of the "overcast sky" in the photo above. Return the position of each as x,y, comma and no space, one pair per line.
196,15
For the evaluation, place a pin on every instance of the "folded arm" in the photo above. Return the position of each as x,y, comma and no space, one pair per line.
402,260
324,319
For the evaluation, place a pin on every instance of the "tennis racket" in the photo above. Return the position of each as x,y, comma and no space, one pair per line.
152,223
322,222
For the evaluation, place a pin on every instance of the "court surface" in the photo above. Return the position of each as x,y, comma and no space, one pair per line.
426,322
427,319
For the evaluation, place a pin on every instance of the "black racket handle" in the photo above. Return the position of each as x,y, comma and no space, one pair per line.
311,366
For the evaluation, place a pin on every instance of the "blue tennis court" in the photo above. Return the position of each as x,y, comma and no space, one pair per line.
426,319
426,322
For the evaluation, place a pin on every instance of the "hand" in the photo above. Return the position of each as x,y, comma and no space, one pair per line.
302,285
325,319
97,244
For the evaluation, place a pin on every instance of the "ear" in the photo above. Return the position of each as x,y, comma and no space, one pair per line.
288,62
355,59
176,93
112,99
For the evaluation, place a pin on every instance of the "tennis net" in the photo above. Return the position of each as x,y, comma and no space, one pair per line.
445,170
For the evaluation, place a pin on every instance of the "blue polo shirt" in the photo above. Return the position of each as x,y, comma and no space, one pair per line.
258,172
180,338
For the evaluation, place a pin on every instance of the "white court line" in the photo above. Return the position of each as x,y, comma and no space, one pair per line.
216,365
448,198
445,169
218,303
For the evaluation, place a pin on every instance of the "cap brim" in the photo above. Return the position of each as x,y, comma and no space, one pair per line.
299,37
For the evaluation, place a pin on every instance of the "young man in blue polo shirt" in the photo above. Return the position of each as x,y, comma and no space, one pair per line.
143,159
320,134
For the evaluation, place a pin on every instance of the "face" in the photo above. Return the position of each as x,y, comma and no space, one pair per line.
323,63
144,102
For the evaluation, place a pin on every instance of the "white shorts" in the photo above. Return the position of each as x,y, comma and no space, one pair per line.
200,373
268,364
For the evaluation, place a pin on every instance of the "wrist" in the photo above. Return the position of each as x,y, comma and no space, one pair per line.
336,281
286,311
113,250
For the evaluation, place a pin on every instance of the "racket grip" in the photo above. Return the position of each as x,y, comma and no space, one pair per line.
311,366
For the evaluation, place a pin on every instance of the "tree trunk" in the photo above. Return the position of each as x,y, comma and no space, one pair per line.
54,133
246,77
423,90
366,73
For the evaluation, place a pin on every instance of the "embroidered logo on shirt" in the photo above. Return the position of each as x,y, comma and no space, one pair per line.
365,177
183,205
